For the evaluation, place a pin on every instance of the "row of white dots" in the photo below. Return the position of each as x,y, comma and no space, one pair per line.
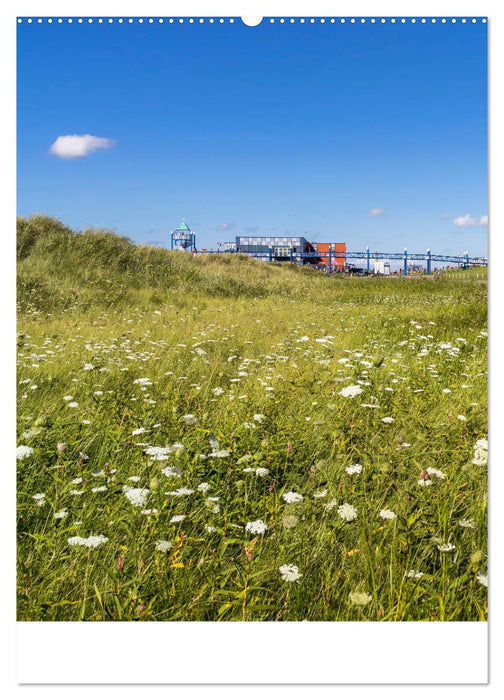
322,20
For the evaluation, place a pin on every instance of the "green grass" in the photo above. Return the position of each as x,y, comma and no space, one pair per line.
253,330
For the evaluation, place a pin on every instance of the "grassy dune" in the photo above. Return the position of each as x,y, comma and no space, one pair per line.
291,418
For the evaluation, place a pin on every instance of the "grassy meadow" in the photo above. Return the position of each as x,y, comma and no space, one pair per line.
216,438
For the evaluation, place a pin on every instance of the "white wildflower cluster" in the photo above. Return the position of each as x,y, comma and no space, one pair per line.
425,482
90,542
483,579
320,494
387,514
360,598
256,527
171,471
180,492
387,419
292,497
431,471
413,573
219,454
177,518
446,547
351,391
143,381
137,497
289,572
203,487
480,458
354,469
39,499
23,452
190,419
60,514
163,545
347,512
471,524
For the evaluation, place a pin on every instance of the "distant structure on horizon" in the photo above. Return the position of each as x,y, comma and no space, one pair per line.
290,248
183,238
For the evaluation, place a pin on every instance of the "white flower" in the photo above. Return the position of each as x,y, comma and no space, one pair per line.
446,547
203,487
177,518
256,527
351,391
60,514
217,391
137,497
88,367
190,419
387,514
461,417
258,417
97,489
67,398
91,542
424,482
149,511
435,472
144,381
138,431
446,391
74,492
289,572
171,471
77,480
467,523
483,579
180,492
354,469
347,512
330,504
135,479
320,494
262,471
412,573
23,452
210,528
480,452
360,598
387,419
292,497
163,545
219,453
39,498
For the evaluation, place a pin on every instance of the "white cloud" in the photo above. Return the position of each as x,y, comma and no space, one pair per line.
466,221
78,146
223,227
378,211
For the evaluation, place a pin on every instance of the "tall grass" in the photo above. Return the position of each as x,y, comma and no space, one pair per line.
237,366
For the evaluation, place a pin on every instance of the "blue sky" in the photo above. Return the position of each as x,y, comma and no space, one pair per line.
369,134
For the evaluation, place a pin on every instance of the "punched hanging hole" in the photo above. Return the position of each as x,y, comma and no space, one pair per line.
252,21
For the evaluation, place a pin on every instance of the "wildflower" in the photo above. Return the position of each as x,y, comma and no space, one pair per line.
138,431
143,381
431,471
256,527
97,489
137,497
354,469
177,518
351,391
158,453
73,404
360,598
67,398
149,511
203,487
258,417
90,542
217,391
480,453
461,417
292,497
347,512
320,494
60,514
387,419
88,367
289,521
387,514
61,447
289,572
446,391
262,471
135,479
74,492
330,504
412,573
446,547
23,452
467,523
483,579
219,454
190,419
424,482
180,492
39,498
210,528
171,471
163,545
